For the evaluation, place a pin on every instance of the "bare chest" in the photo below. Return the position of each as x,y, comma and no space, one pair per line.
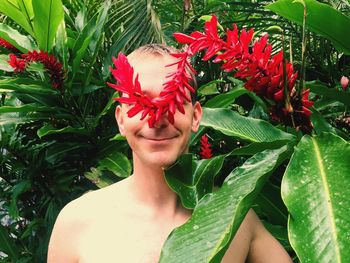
123,239
122,242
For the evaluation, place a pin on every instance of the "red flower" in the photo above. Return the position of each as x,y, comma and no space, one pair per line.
51,64
198,41
170,99
8,46
205,148
18,64
344,82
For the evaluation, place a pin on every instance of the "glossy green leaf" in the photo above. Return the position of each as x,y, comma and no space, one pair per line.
28,89
316,193
13,11
191,179
49,129
7,243
48,15
21,42
233,124
117,163
215,220
61,44
225,99
256,147
89,36
209,88
321,18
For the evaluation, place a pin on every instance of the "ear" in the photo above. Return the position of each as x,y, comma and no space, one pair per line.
119,116
197,116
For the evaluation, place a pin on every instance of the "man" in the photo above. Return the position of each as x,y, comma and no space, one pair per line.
129,221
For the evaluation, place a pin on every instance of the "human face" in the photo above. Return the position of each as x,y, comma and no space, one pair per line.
161,145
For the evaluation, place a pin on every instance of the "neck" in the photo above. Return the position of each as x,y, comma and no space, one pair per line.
150,189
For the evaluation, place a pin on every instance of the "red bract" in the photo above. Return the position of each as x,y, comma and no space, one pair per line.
198,41
8,46
171,98
51,64
263,74
206,152
18,64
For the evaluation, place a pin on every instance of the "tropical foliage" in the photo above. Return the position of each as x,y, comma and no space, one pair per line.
58,137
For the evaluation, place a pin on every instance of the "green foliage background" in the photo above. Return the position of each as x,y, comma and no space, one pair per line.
55,145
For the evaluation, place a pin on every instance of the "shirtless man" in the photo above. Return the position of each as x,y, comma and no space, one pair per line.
129,221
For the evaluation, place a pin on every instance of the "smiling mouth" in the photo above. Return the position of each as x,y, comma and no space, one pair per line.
159,139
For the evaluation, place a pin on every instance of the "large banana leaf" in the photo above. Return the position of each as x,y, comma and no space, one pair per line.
217,217
233,124
321,19
315,189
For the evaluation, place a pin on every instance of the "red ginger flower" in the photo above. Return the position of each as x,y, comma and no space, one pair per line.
8,46
170,99
205,148
263,75
18,64
51,64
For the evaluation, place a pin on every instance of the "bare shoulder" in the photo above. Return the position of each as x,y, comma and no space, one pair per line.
75,218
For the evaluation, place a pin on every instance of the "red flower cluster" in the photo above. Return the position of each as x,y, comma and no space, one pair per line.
170,99
8,46
205,147
51,64
263,74
18,64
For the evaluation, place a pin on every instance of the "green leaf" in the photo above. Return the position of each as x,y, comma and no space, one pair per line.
233,124
215,220
209,88
89,36
316,193
13,11
256,147
49,129
191,179
4,65
100,178
319,122
21,42
117,163
330,93
28,89
321,18
7,244
225,99
61,44
48,15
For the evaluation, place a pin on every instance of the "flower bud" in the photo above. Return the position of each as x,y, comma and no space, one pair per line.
344,82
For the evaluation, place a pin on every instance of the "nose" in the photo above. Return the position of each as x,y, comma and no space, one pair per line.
162,121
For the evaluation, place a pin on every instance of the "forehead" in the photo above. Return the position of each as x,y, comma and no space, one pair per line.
152,70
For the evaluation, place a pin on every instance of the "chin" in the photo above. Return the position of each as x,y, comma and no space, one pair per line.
161,159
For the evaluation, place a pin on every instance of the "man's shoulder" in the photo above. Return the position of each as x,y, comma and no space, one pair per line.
93,203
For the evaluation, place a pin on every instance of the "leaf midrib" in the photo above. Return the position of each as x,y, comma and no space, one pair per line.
328,196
